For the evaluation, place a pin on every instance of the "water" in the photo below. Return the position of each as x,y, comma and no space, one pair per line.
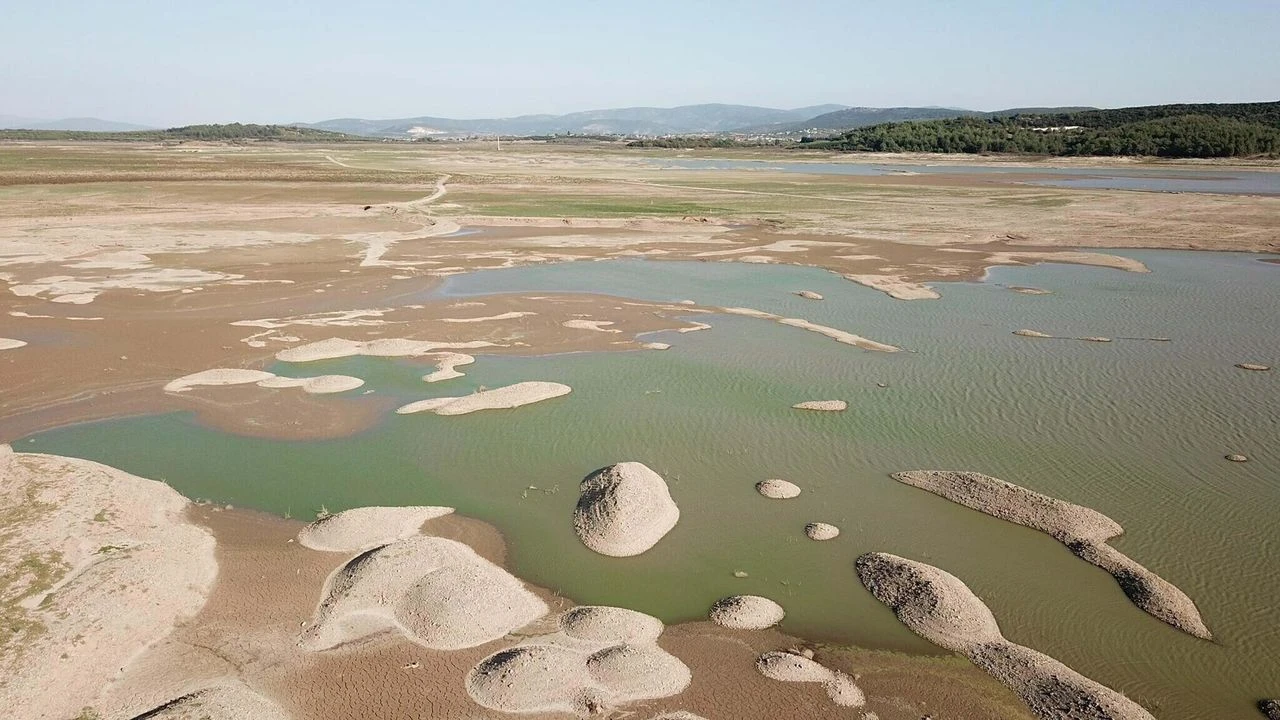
1135,429
1230,182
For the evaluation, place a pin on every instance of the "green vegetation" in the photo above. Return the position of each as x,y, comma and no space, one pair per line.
1177,131
228,132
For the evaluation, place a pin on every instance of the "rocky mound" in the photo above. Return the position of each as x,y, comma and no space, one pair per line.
573,673
503,398
809,295
822,405
1083,530
438,592
225,702
821,531
366,527
624,510
610,625
777,489
746,612
794,667
940,608
1031,333
1269,708
1253,366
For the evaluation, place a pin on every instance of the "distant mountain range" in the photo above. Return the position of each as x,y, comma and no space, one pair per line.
634,121
650,121
686,119
83,124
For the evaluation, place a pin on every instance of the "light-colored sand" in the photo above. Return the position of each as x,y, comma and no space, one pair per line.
363,528
777,488
437,592
1020,257
503,398
809,295
821,531
1238,458
797,667
229,701
583,673
490,318
1031,333
98,564
746,612
610,625
655,346
319,385
446,367
895,286
1253,366
1083,530
11,344
678,715
383,347
595,325
1030,290
840,336
822,405
694,328
624,510
940,608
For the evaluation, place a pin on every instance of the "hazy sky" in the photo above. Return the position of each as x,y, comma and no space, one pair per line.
174,62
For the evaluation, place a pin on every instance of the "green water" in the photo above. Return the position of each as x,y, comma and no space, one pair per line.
1135,429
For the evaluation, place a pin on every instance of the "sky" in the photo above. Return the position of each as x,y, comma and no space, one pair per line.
172,63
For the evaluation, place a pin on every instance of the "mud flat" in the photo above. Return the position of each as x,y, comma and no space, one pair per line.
503,398
99,564
1084,531
364,528
624,510
940,608
437,592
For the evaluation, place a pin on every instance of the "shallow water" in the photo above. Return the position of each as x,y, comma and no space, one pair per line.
1134,428
1230,182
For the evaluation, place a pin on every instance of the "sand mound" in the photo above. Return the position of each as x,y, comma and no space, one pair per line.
1270,708
11,344
940,608
840,336
897,287
384,347
503,398
795,667
821,531
1243,366
438,592
1031,333
809,295
225,702
97,566
746,612
624,510
678,715
656,346
1096,339
610,625
1029,290
1082,530
367,527
596,325
446,367
822,405
582,670
1238,458
777,489
320,385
